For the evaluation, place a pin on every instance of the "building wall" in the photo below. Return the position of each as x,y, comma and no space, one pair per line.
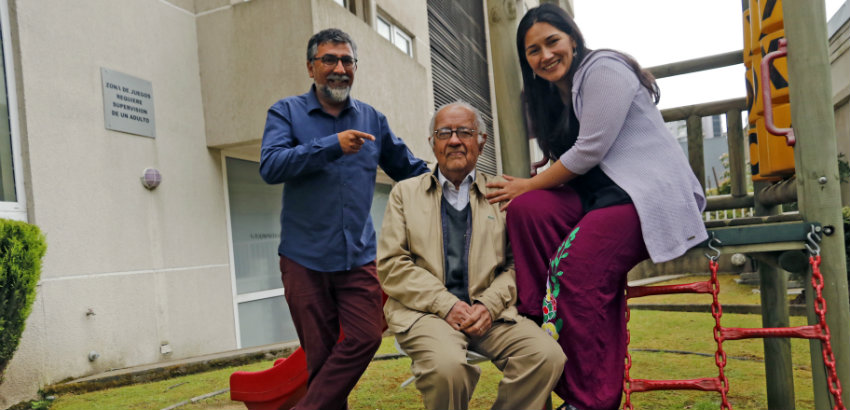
254,53
149,266
411,15
129,270
388,79
251,55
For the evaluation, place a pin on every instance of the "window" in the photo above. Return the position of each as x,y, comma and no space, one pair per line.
261,312
350,5
379,205
12,204
384,29
395,35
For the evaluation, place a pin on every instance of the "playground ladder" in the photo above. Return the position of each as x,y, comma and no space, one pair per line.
720,383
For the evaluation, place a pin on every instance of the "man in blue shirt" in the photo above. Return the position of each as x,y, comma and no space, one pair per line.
325,147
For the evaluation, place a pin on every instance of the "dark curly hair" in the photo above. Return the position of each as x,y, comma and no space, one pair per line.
333,35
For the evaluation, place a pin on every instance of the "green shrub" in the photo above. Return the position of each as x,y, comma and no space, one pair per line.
21,248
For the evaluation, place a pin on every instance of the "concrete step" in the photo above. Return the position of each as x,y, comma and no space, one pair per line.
172,368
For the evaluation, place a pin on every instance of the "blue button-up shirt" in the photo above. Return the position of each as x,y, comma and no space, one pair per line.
325,221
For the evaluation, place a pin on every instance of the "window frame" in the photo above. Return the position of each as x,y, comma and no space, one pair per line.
398,33
236,296
380,21
395,32
17,209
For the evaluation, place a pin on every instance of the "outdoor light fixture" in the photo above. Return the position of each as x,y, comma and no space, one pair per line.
151,178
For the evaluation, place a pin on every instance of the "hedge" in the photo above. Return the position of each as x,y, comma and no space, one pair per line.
21,248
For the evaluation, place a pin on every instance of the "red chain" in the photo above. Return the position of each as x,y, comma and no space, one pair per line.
627,379
820,309
720,355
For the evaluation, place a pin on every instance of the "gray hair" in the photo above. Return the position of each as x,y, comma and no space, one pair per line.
332,35
478,122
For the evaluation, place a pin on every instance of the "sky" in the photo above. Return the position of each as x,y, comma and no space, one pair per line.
649,32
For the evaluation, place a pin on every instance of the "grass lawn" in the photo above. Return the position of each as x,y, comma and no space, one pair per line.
653,333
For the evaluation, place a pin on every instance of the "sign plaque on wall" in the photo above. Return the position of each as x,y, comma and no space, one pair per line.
127,103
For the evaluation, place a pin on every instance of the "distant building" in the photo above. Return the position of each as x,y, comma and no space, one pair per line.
714,145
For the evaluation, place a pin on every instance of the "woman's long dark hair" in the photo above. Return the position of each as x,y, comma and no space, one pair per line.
553,122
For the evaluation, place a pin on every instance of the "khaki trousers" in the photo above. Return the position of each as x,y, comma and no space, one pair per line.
531,362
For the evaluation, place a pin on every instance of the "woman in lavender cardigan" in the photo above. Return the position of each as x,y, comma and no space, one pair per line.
619,190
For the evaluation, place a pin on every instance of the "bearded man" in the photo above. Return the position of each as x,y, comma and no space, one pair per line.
325,147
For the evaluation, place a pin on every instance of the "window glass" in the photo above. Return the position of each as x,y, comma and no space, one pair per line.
255,226
265,321
7,173
379,205
396,35
383,28
402,41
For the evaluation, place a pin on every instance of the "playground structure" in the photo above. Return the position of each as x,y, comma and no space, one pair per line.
788,164
778,240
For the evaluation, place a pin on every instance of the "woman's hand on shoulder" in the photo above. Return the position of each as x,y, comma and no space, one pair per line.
507,190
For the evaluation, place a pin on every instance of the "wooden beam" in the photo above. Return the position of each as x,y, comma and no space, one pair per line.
704,109
695,148
698,64
737,157
818,187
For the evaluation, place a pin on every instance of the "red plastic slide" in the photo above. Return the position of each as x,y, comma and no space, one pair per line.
278,388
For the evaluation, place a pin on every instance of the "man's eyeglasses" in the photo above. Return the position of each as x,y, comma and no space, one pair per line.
462,133
331,60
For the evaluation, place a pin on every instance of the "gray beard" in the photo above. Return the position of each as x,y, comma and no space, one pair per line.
336,95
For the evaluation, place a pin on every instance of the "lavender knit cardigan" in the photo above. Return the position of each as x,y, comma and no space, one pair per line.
622,131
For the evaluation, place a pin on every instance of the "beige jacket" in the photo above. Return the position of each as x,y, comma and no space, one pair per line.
411,264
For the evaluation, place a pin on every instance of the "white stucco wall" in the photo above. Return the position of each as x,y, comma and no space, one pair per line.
254,53
251,55
394,83
151,265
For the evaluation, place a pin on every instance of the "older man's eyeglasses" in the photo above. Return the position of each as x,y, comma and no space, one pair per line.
462,133
331,60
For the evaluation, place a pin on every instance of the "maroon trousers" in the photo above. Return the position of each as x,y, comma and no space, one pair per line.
321,303
550,233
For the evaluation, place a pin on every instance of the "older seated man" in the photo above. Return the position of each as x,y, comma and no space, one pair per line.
445,262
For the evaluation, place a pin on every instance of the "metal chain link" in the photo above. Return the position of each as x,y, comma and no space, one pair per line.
820,309
627,405
720,355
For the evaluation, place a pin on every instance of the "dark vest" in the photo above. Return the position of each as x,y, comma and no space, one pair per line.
456,228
